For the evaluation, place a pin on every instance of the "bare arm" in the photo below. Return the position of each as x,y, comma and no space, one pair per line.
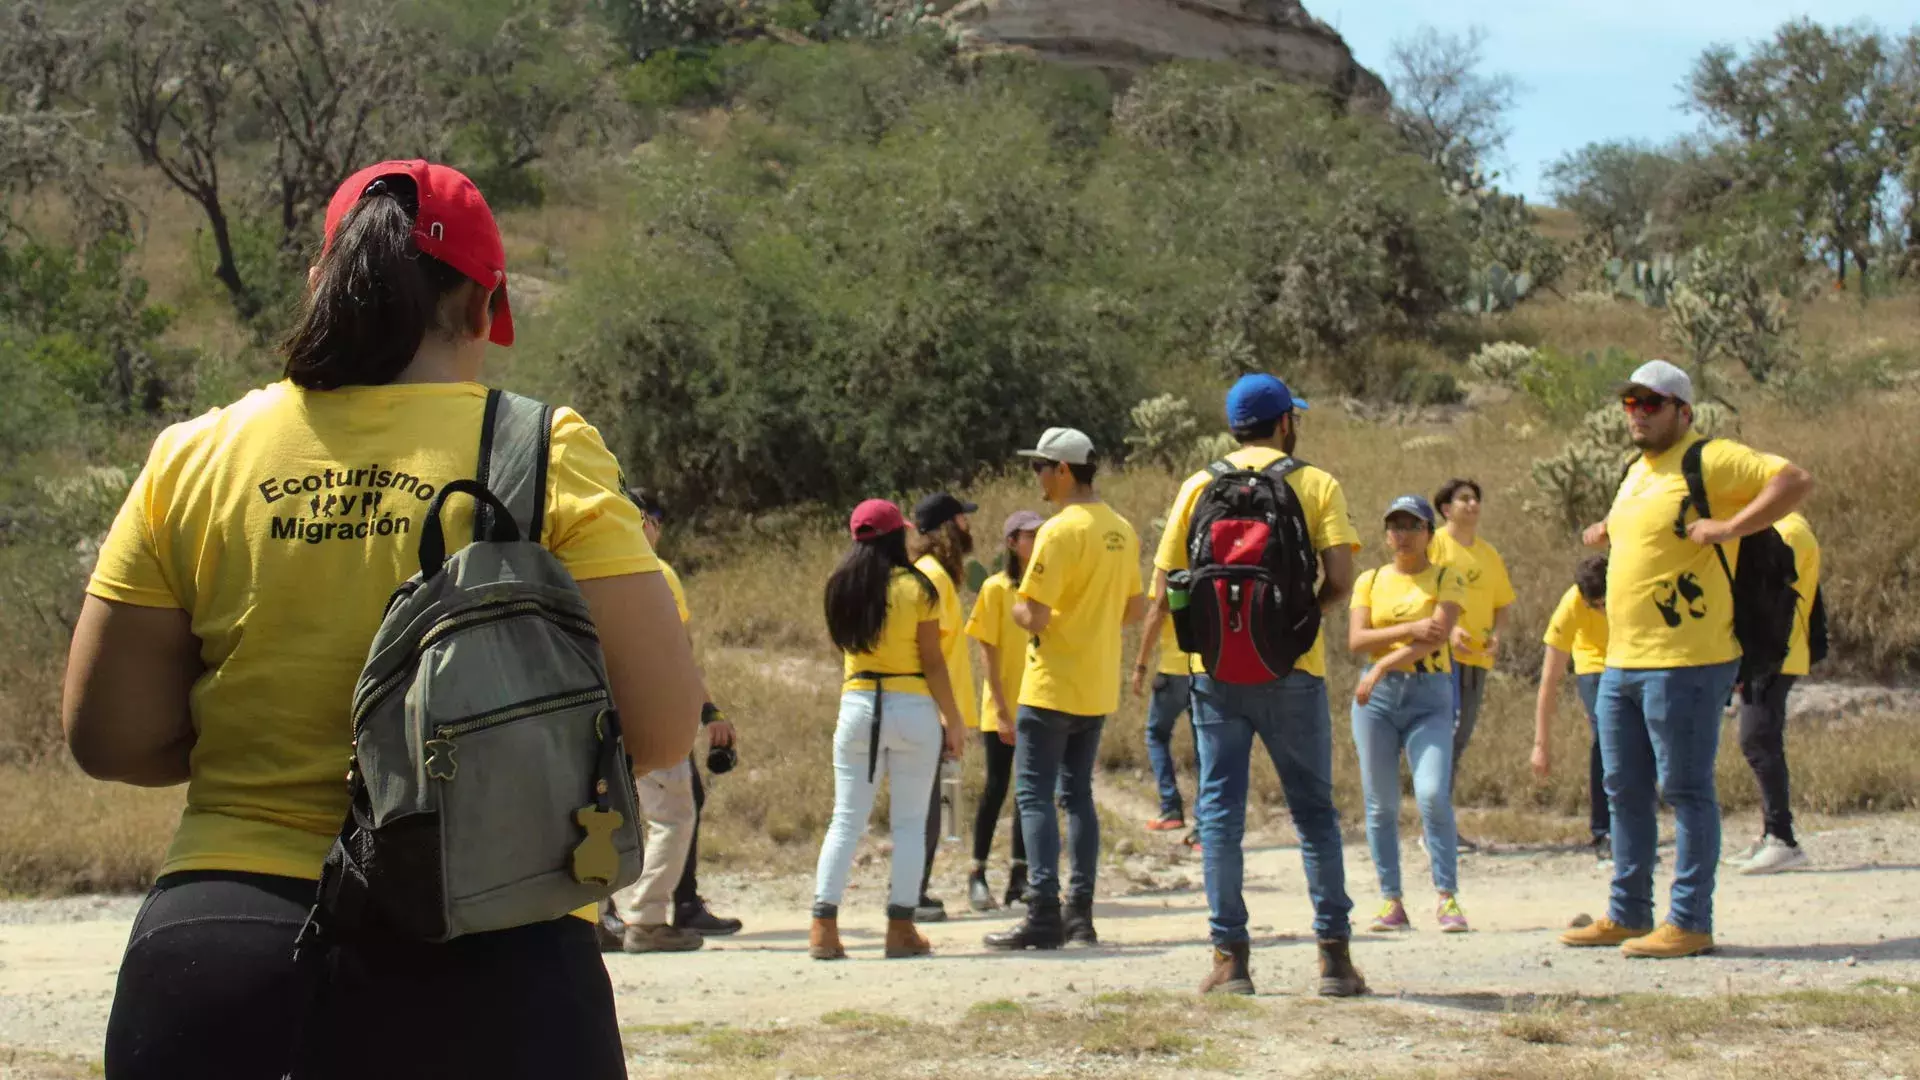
125,707
1596,534
1782,496
990,657
1553,671
1156,621
1336,577
1362,637
1031,615
650,667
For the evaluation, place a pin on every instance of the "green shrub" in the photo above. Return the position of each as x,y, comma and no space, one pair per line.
1567,388
1164,430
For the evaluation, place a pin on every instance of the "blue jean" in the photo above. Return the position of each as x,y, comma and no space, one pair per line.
1599,818
1171,694
1659,736
910,745
1290,717
1053,756
1410,711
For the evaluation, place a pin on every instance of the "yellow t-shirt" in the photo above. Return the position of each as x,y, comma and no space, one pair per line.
1580,630
679,592
992,624
281,524
898,649
1488,589
1085,567
1669,603
1392,598
1329,525
1798,534
953,639
1172,660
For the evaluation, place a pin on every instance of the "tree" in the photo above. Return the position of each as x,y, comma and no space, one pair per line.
1814,112
47,126
1618,190
1447,107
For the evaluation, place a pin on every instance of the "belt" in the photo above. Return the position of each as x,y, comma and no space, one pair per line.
873,739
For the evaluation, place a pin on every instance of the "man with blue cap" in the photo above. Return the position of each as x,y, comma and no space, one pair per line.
1288,709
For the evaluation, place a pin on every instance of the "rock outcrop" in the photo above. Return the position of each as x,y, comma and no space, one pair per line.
1125,36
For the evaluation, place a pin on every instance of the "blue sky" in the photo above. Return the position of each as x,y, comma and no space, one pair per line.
1594,70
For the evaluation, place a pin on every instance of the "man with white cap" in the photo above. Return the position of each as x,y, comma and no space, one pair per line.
1672,656
1080,588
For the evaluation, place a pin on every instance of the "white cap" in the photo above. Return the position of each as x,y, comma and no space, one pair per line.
1062,444
1663,378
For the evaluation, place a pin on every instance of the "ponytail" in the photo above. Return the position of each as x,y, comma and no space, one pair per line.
374,297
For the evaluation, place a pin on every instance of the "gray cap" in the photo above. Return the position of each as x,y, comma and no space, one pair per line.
1062,444
1663,378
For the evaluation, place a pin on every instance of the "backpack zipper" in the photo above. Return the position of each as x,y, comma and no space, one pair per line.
485,613
519,712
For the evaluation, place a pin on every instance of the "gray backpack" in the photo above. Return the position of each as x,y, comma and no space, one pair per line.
489,784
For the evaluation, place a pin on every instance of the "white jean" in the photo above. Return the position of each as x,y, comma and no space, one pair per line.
910,744
666,805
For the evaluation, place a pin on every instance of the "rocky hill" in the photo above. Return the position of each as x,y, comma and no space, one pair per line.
1123,36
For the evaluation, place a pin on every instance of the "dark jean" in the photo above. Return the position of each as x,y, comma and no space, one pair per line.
1290,717
1469,690
1171,697
1659,737
1599,818
1056,749
1763,741
208,989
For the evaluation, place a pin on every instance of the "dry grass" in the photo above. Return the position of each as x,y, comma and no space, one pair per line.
61,832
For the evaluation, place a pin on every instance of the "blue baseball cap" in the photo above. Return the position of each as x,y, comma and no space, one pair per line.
1258,398
1411,504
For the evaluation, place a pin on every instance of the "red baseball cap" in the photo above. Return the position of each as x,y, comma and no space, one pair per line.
875,518
453,225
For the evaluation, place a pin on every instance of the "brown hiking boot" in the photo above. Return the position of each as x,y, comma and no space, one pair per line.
1602,932
823,941
1229,974
660,937
904,941
1338,976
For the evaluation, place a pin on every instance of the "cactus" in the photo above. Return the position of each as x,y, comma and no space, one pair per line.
1495,289
1649,281
1502,363
1163,428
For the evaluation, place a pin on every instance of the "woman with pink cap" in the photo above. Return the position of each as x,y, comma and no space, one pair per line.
230,614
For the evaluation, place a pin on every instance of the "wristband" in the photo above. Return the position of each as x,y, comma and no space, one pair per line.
709,712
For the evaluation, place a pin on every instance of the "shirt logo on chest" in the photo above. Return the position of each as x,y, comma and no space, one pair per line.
1682,593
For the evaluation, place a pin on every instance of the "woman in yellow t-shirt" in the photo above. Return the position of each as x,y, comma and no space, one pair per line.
228,618
1003,650
896,711
1577,635
1402,616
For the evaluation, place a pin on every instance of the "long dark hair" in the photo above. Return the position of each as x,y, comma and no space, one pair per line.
1013,568
374,297
856,601
949,545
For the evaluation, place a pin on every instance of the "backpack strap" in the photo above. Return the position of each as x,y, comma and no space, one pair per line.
516,439
1285,467
1221,468
1696,497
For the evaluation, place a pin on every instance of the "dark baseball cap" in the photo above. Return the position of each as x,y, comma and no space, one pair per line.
1410,504
936,510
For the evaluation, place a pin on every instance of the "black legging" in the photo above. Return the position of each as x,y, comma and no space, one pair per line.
993,797
208,989
688,891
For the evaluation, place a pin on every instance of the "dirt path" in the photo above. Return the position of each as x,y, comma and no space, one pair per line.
1849,920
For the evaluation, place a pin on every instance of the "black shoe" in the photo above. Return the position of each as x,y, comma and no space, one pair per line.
1017,885
979,896
1041,929
1077,924
929,909
694,916
1603,848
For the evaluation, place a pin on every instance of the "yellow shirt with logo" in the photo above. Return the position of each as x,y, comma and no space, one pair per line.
1488,589
953,639
1798,534
679,592
1329,525
897,651
1579,630
992,624
1085,567
1392,598
281,524
1669,603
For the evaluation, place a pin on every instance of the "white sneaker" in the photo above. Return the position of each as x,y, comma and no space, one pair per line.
1746,854
1775,855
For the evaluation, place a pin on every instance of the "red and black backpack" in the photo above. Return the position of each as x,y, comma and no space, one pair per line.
1251,609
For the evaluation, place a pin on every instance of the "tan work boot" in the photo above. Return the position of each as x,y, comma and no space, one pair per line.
1229,974
823,941
904,941
1669,942
660,937
1601,932
1338,976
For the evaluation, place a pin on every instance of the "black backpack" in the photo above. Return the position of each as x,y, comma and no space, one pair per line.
1817,627
1251,609
1764,598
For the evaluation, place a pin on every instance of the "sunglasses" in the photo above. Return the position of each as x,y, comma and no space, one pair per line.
1645,403
1402,525
1041,465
